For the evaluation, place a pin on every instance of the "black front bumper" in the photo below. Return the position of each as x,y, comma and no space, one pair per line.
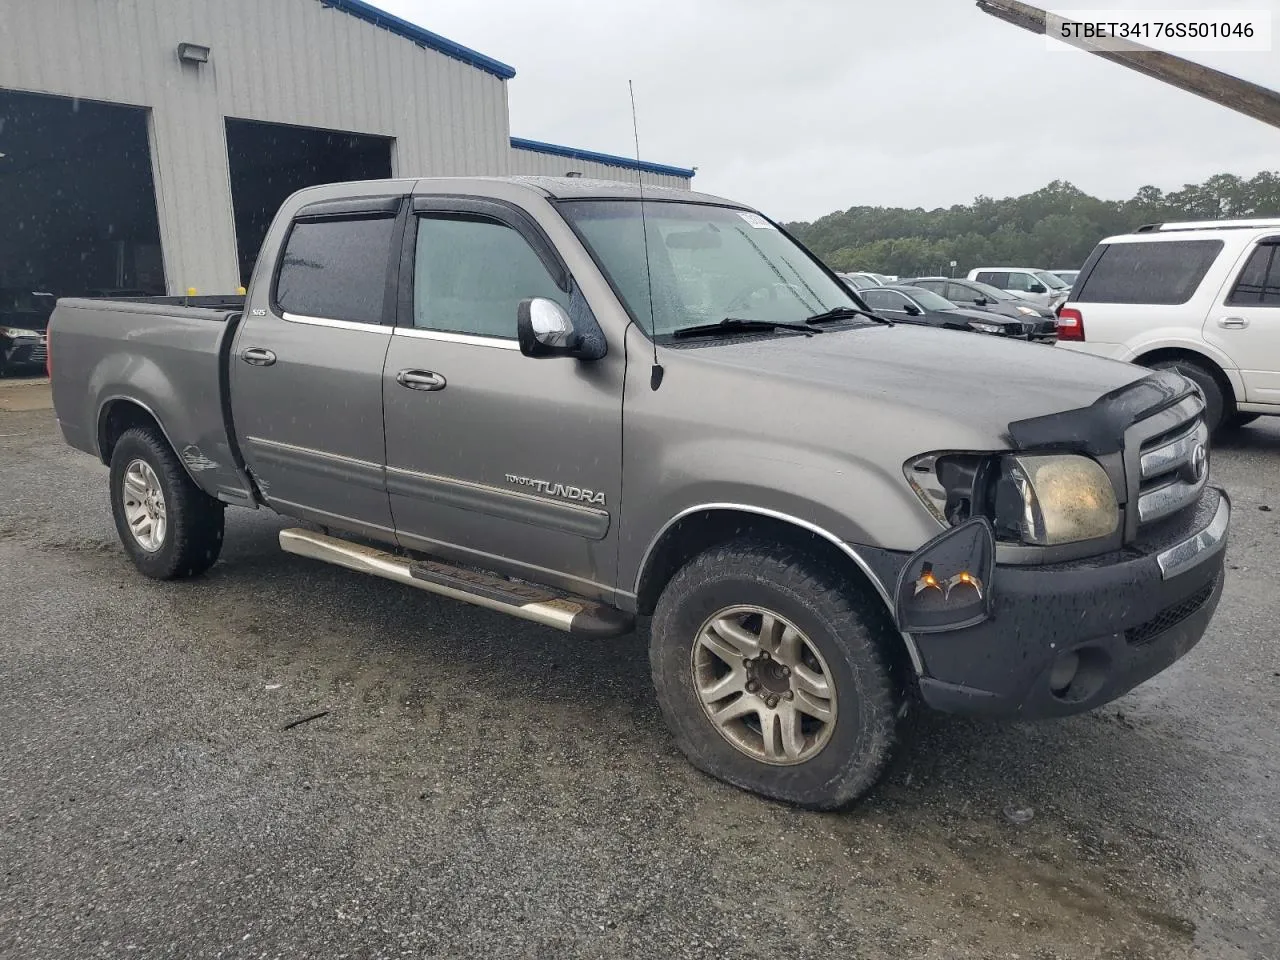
1119,619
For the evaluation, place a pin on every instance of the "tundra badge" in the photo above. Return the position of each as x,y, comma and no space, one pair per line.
558,489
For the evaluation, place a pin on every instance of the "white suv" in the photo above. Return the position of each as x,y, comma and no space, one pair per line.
1203,298
1041,287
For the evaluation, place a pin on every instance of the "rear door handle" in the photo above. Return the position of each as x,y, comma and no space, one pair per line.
258,356
420,380
1233,323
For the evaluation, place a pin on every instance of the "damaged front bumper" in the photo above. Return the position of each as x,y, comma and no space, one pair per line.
1066,638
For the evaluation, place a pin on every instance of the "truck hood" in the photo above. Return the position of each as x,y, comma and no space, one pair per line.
967,386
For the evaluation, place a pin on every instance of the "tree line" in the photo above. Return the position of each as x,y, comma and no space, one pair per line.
1056,227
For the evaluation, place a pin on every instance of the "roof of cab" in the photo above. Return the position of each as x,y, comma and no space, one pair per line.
584,188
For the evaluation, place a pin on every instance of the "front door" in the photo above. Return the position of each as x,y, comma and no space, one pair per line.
494,458
1245,323
306,372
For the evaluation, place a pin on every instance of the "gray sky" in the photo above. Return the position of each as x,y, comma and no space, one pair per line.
803,107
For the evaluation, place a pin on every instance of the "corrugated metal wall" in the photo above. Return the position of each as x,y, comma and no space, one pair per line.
532,163
283,61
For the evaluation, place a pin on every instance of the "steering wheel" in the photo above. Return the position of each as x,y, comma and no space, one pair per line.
745,295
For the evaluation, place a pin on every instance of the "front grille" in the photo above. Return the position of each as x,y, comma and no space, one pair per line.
1170,617
1173,465
39,353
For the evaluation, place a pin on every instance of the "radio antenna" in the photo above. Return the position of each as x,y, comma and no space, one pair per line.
655,375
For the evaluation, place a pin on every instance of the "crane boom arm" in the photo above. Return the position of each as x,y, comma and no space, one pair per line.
1245,97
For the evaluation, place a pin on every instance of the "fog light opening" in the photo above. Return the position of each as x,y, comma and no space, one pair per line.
1064,671
1078,675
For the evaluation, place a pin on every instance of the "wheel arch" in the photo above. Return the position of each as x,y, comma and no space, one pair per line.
1201,358
119,414
699,528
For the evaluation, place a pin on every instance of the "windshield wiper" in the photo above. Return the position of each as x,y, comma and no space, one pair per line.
842,313
733,325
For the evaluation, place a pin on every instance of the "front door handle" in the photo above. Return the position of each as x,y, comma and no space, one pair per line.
420,380
258,356
1233,323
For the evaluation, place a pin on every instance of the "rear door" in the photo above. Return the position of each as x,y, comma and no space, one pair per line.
495,458
306,370
1245,324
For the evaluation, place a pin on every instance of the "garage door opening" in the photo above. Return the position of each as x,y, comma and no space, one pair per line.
269,161
78,202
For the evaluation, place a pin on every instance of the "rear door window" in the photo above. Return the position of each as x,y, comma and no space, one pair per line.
884,299
995,278
1149,272
337,269
1259,282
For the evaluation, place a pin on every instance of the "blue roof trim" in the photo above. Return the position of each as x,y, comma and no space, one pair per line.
380,18
575,154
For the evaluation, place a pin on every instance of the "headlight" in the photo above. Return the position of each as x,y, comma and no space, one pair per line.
1051,500
1028,312
982,327
18,332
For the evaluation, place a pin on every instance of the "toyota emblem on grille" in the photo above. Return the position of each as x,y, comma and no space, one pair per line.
1199,462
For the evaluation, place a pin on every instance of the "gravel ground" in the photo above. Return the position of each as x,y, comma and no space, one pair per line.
478,786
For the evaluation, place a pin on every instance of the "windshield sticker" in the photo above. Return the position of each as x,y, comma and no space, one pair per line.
757,221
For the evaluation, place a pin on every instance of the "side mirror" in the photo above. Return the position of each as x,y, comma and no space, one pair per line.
544,329
1039,288
981,301
911,310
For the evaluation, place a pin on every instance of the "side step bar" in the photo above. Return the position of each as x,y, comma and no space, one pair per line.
575,615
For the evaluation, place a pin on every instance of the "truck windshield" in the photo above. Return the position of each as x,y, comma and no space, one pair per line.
707,263
1050,280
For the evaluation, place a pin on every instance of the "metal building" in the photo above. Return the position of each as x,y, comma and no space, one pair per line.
145,144
534,158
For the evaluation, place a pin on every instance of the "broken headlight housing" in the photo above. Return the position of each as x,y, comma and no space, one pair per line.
1033,500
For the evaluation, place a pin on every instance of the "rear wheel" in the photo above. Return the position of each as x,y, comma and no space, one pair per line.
773,675
1219,407
169,527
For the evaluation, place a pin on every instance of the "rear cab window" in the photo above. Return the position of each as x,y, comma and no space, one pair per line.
1158,272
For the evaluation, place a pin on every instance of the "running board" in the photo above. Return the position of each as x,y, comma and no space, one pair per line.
575,615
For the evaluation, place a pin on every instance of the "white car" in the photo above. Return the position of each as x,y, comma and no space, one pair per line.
1201,297
1030,283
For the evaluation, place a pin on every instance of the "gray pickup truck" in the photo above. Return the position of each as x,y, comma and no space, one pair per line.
561,400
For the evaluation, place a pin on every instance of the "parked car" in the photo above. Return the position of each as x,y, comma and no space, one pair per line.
1202,298
918,305
24,317
1039,286
1066,276
484,389
860,281
981,296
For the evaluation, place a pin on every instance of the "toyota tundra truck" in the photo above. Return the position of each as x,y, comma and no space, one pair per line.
581,404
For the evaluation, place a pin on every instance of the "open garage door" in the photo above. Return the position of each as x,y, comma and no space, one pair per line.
269,161
78,203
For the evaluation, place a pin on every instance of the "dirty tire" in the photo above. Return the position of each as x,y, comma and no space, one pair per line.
1219,409
193,539
848,631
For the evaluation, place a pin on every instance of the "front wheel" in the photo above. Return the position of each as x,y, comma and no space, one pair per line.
773,675
169,527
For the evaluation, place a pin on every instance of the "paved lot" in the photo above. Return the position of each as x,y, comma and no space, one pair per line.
483,787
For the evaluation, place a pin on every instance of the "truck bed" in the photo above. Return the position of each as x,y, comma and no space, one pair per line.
166,355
